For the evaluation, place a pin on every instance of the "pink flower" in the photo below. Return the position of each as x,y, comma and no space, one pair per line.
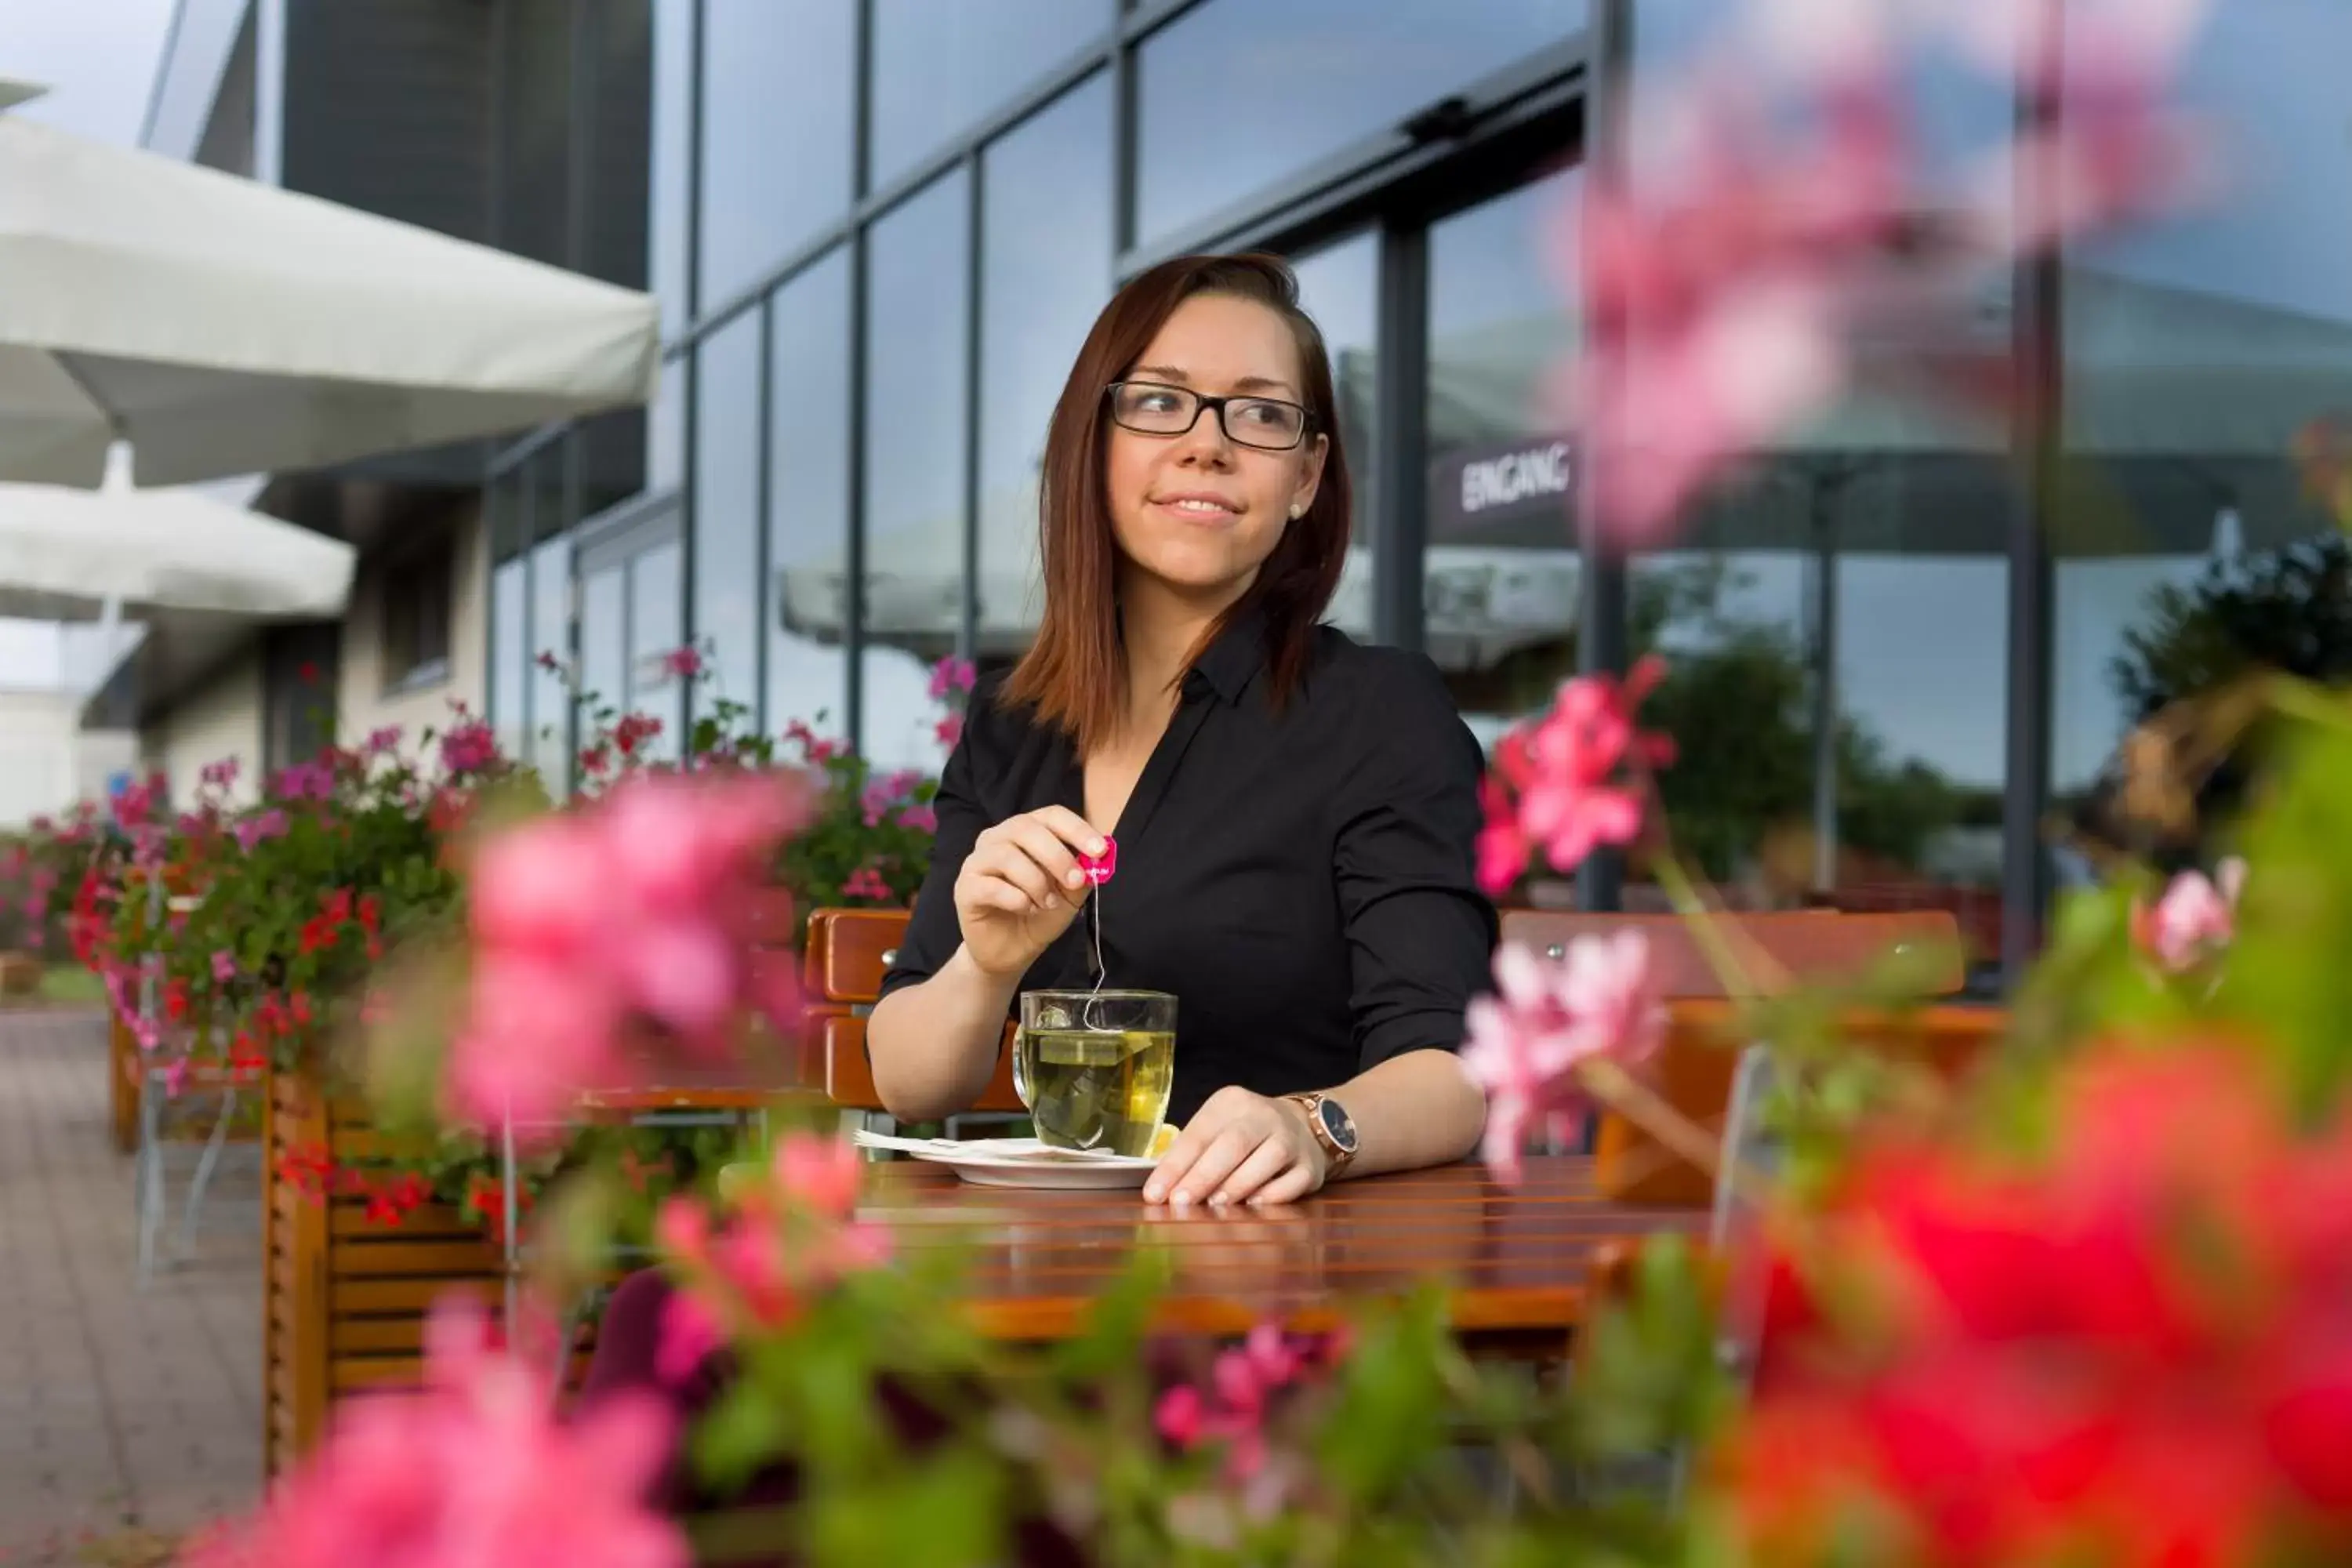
950,678
1555,786
305,781
224,966
380,740
921,818
469,748
690,1335
219,774
888,790
684,662
476,1469
866,882
2195,918
1527,1044
949,731
585,924
250,831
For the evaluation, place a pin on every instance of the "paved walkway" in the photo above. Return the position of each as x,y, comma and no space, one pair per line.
120,1409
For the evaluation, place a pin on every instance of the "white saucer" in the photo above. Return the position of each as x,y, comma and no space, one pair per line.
1022,1162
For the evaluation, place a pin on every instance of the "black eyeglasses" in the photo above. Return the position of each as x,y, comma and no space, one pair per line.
1155,408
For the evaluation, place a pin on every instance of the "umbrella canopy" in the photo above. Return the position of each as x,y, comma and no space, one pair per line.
65,553
225,327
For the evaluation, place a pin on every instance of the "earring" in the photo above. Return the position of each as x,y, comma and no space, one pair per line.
1294,510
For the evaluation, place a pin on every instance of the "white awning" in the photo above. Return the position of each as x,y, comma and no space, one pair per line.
225,327
65,553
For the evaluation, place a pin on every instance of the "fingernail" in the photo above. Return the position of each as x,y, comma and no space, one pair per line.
1220,1201
1182,1200
1076,879
1053,900
1097,848
1154,1193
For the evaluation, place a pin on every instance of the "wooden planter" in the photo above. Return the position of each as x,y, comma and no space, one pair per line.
121,1083
344,1298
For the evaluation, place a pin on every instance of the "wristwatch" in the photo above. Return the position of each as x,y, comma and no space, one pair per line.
1333,1128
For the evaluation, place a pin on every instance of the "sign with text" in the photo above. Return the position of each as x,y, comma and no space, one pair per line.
1474,490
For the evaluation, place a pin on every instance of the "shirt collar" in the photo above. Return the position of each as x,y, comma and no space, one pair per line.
1235,658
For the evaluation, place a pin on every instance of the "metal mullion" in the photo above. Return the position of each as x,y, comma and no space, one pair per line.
2038,325
764,549
1119,60
968,623
1603,636
853,589
1401,439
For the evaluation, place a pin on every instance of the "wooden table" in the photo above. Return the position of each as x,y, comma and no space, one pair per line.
1519,1260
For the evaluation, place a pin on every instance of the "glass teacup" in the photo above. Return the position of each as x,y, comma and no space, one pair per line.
1094,1066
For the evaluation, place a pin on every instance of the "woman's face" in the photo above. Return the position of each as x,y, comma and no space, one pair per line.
1200,510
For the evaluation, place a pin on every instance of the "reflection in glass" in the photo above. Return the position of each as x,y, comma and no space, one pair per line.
510,653
551,632
603,644
665,436
1294,83
1501,582
939,68
2195,350
779,83
1046,270
1339,287
673,130
808,498
726,512
655,582
914,460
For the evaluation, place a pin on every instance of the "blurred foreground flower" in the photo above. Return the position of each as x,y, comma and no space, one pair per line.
2194,919
591,924
1551,1020
474,1469
1562,784
2135,1351
787,1235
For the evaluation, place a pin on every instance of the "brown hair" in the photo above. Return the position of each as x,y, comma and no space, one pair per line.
1075,675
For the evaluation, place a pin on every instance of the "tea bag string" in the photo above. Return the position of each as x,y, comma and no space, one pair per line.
1089,1018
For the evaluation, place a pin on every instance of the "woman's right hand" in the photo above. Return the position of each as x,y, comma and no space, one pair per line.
1020,887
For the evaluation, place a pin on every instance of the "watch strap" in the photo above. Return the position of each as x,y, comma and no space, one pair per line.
1335,1157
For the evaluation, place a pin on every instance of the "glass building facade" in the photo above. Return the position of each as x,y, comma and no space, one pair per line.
879,228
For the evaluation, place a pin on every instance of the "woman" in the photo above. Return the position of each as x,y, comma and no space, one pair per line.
1296,814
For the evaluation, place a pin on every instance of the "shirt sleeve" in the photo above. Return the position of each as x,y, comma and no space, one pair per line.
933,933
1420,934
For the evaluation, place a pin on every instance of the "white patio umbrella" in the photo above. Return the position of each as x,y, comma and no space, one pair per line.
66,553
224,327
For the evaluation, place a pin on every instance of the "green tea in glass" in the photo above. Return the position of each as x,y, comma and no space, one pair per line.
1094,1066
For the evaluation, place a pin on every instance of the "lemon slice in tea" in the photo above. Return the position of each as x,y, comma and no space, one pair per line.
1161,1141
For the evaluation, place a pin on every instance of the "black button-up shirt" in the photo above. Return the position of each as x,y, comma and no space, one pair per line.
1302,881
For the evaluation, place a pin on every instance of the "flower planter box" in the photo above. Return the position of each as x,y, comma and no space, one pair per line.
344,1298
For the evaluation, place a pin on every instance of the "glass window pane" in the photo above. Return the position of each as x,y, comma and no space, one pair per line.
941,69
779,86
1236,94
913,587
673,133
510,653
1501,577
655,584
2195,350
808,499
1339,285
665,440
551,632
727,509
1045,272
603,642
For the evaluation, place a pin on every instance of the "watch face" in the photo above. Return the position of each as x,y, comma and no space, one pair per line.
1339,1124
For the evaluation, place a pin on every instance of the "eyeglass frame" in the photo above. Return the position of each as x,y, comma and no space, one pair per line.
1202,403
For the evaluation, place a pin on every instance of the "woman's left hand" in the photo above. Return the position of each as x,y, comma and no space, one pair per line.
1241,1148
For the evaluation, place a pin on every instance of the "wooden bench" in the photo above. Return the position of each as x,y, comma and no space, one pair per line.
1693,1067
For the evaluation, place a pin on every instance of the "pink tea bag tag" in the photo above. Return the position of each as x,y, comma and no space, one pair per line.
1100,868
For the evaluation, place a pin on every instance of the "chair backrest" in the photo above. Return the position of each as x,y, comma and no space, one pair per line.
842,965
1695,1068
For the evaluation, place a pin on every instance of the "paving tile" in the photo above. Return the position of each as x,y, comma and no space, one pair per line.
120,1407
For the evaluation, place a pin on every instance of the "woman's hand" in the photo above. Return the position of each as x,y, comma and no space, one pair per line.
1020,887
1241,1148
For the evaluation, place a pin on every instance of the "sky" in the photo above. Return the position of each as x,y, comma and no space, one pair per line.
98,57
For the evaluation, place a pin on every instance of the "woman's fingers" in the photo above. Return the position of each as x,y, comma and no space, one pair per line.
1039,842
1217,1160
1011,864
1287,1187
1069,827
1268,1161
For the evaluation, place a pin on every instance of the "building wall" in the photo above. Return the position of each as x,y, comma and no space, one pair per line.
362,703
222,717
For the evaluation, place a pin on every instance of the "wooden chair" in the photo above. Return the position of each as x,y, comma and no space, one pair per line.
847,953
1695,1067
